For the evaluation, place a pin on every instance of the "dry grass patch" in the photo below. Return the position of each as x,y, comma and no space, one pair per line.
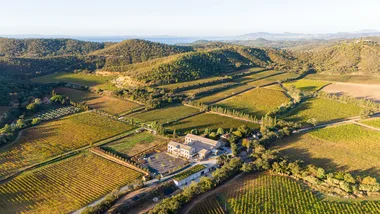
367,91
108,104
167,114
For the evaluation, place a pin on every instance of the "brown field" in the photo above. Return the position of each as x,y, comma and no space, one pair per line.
108,104
368,91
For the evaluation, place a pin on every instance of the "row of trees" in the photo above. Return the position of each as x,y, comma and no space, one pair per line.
347,99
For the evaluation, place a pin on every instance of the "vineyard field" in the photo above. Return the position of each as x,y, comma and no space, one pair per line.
224,94
336,148
108,104
191,83
323,110
269,194
208,120
96,81
372,122
65,186
258,101
136,143
52,138
273,79
307,85
257,75
167,114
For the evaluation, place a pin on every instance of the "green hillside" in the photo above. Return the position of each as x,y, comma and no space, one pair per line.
135,51
46,47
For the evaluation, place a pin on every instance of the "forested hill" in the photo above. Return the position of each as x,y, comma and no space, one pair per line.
204,63
352,57
46,47
135,51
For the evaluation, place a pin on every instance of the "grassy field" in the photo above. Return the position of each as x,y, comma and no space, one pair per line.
52,138
257,75
269,194
108,104
345,78
65,186
275,87
89,80
323,110
273,79
307,85
346,147
223,94
208,120
207,88
256,69
166,114
258,101
135,143
372,122
190,83
3,109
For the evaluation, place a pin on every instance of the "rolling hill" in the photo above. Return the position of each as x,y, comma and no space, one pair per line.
352,57
203,63
46,47
135,51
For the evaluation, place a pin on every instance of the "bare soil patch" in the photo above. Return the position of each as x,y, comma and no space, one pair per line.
368,91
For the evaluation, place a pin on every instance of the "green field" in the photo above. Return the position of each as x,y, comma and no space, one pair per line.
258,101
307,85
108,104
257,75
52,138
223,94
273,79
191,83
89,80
270,194
65,186
256,69
165,115
364,79
323,110
345,147
135,143
208,120
275,87
207,88
372,122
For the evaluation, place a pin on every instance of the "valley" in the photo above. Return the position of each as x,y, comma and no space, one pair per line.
254,130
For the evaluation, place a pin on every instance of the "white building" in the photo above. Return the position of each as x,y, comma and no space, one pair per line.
191,139
194,145
192,174
181,150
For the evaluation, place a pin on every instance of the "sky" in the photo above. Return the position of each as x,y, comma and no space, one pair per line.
185,17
